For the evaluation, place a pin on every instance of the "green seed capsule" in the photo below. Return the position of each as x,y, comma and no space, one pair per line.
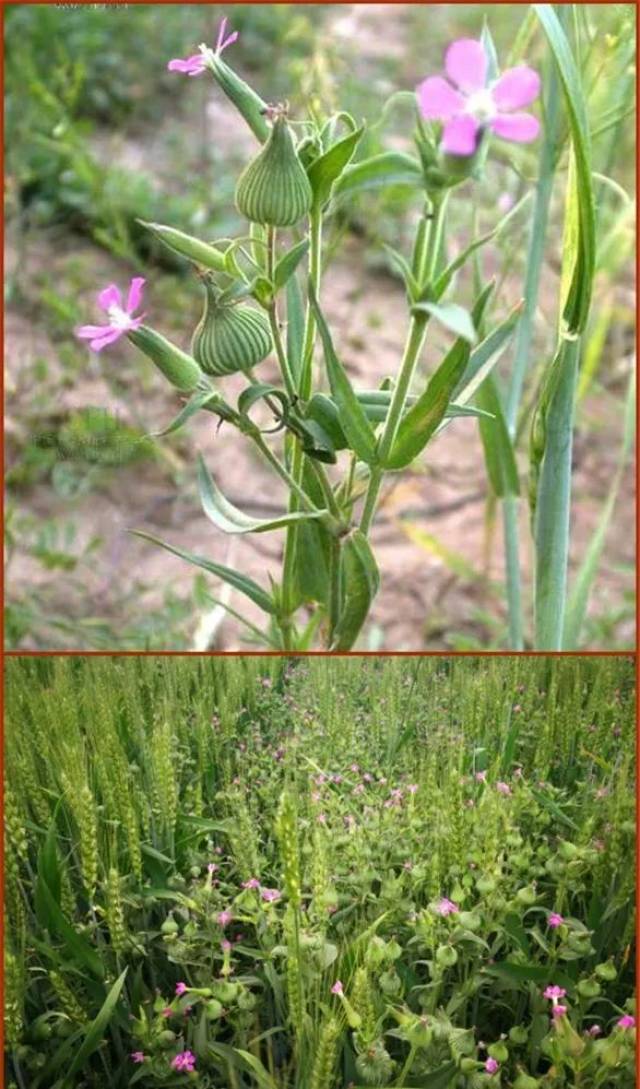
274,188
606,971
446,956
229,338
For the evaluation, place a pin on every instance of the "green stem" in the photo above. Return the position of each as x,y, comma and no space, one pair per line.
425,259
306,379
524,336
272,312
407,1066
283,472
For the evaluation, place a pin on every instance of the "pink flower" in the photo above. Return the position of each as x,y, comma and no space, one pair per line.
337,988
503,788
225,946
554,992
196,64
121,319
595,1030
270,895
413,788
252,883
558,1010
224,918
186,1061
481,777
626,1022
137,1056
491,1066
447,907
167,1012
555,920
181,988
476,104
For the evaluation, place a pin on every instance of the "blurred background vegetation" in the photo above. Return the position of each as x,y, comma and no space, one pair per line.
99,134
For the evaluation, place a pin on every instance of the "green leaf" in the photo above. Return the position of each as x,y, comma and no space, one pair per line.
484,357
391,168
240,582
313,547
202,399
252,394
48,878
57,924
354,422
325,170
499,454
402,267
518,974
229,519
420,423
96,1030
580,240
295,326
288,264
558,813
360,581
454,318
579,597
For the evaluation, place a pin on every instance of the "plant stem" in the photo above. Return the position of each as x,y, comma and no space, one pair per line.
524,336
425,259
306,378
283,472
273,320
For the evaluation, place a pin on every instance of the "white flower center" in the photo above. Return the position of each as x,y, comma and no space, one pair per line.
118,317
481,105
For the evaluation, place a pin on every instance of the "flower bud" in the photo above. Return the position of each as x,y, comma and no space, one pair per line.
179,368
274,188
229,338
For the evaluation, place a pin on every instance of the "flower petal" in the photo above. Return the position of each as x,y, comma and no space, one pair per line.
221,33
466,64
516,87
88,332
520,127
191,66
135,294
438,100
109,297
459,136
108,338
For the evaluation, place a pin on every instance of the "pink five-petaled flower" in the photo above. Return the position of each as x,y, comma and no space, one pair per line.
167,1012
121,319
252,883
626,1022
558,1010
595,1030
181,988
481,777
492,1066
475,103
446,907
186,1061
137,1056
554,993
503,788
224,918
196,64
337,988
270,895
555,920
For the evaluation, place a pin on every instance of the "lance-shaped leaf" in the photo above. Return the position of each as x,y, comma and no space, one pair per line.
580,234
454,318
360,580
326,169
288,264
240,582
499,454
229,519
389,168
202,399
422,420
484,357
95,1032
354,421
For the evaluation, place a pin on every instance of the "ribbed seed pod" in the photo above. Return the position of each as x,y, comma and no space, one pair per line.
177,367
229,338
274,188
